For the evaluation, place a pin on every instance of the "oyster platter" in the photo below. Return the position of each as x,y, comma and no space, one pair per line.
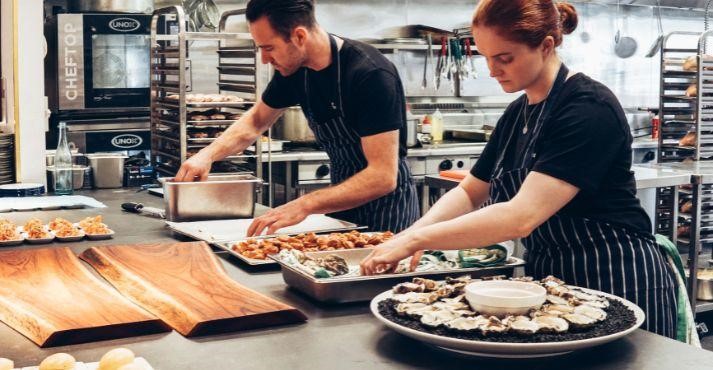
481,317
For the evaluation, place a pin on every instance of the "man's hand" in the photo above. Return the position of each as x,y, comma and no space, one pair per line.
286,215
195,168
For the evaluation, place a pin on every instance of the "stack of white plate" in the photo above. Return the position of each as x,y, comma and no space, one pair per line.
7,158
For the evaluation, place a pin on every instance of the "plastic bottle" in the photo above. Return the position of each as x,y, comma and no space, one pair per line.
437,127
63,164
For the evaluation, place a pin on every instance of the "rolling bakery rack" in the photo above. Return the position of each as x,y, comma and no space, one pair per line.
183,123
686,114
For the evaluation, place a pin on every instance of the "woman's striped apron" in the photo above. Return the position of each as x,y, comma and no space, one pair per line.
590,253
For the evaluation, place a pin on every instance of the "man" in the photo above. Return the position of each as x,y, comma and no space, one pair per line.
353,99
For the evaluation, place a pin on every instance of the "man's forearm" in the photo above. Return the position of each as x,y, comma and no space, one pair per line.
357,190
236,138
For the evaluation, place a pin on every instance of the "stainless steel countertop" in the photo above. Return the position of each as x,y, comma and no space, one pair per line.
702,172
657,177
318,155
645,142
344,336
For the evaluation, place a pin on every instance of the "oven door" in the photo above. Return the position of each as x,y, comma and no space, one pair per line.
116,61
103,61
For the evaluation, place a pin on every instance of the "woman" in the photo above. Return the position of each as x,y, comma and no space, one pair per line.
556,173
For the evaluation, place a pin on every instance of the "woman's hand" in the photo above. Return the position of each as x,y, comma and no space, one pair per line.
386,256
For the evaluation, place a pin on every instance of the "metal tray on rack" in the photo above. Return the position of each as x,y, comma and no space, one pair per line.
223,104
237,87
237,52
200,140
364,288
211,123
237,68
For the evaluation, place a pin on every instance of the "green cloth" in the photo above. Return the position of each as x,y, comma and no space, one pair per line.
686,329
482,257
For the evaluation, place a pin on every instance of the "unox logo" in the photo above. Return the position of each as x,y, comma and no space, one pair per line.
124,24
126,141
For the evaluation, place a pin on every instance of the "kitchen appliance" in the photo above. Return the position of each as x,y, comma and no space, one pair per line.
111,6
219,197
107,169
101,62
293,127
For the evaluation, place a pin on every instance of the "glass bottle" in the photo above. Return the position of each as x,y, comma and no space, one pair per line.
63,164
437,127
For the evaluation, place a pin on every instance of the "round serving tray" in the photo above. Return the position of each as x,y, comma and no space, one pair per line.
509,350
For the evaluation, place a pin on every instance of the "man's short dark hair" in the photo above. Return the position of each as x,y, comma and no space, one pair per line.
283,15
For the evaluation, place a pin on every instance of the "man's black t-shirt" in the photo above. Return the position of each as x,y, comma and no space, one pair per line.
586,142
372,93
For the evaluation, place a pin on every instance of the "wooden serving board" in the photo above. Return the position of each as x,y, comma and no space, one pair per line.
51,298
185,285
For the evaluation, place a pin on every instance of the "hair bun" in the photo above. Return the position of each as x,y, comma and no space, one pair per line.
568,17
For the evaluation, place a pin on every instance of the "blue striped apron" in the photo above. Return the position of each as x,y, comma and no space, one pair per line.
590,253
393,212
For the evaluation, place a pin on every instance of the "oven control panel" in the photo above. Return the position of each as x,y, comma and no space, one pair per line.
434,165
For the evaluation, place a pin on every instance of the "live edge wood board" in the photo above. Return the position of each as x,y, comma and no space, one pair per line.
185,285
51,298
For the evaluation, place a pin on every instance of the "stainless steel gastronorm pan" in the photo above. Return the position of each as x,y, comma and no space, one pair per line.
364,288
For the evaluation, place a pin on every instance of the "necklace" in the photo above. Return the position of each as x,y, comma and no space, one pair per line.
527,117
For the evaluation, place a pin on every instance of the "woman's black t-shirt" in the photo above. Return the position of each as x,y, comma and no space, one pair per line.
586,142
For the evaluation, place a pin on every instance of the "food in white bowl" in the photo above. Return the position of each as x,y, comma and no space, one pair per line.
501,298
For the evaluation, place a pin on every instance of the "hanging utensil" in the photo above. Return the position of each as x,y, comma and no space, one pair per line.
212,14
471,60
624,46
656,46
424,82
449,61
441,62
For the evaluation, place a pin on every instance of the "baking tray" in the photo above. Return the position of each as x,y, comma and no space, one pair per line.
227,246
234,230
364,288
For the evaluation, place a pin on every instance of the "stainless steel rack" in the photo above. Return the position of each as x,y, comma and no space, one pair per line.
677,114
180,128
681,114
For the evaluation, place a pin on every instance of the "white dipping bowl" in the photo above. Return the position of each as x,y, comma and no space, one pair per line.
504,297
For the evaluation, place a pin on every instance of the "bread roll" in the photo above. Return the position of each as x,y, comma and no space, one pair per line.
688,140
687,207
116,358
690,64
6,364
692,91
58,361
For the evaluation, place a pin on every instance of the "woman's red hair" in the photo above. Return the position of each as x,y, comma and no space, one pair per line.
527,21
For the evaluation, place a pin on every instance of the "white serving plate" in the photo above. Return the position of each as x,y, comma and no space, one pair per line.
72,238
37,241
95,365
108,235
508,350
9,243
